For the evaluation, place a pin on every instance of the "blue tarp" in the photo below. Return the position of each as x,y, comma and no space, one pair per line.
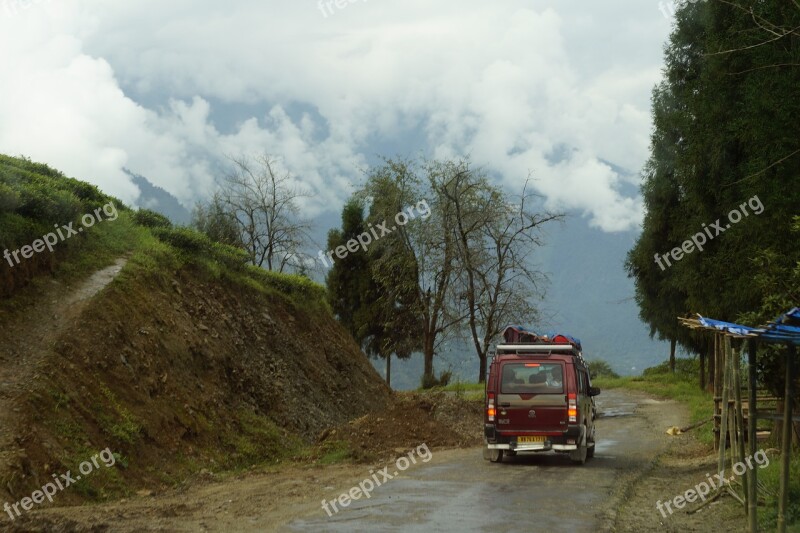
783,330
574,340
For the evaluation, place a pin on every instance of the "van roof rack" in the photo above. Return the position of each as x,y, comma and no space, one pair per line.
539,348
521,335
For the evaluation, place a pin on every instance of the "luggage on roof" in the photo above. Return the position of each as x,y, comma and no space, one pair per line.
519,334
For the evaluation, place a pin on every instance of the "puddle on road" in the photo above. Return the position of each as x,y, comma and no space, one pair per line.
603,445
615,405
614,413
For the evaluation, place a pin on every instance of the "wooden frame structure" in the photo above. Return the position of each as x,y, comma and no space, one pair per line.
732,420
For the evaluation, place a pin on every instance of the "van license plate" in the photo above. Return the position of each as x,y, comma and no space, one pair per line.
529,439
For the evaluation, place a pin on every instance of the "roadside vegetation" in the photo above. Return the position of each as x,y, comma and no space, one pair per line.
680,386
34,198
717,156
472,392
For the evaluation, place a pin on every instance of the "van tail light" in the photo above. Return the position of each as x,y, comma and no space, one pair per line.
490,409
572,407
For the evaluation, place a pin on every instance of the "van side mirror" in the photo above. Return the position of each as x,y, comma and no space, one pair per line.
594,391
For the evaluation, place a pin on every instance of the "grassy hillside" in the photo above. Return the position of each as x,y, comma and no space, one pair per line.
188,360
36,200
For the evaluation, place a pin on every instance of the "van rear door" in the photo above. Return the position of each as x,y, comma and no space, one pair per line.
532,397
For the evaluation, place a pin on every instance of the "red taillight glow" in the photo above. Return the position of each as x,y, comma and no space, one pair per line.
490,410
572,404
532,364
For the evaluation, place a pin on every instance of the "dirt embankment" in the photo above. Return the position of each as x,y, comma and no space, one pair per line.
174,374
438,419
266,498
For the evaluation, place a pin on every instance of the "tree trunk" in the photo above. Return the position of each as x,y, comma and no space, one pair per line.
389,370
482,371
427,353
672,355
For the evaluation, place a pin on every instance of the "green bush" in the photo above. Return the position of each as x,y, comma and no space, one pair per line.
40,201
16,230
686,368
601,369
229,256
151,219
184,239
429,382
9,199
41,169
86,192
292,284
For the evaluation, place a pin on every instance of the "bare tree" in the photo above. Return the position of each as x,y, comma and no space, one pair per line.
496,236
263,200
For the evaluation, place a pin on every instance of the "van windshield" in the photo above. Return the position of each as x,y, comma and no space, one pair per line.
532,378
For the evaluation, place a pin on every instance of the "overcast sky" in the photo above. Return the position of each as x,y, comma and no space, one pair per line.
559,89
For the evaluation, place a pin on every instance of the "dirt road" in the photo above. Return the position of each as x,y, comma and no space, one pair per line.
459,491
456,490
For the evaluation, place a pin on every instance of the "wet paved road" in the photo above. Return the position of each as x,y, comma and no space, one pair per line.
459,491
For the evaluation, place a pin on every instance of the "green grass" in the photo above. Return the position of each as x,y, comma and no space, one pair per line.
334,452
463,386
770,476
465,390
255,440
121,425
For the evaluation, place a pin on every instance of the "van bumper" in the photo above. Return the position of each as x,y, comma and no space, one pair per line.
534,447
496,440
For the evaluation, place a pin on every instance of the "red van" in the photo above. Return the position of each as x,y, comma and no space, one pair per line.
539,398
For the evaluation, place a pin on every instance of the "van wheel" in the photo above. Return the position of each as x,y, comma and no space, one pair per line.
591,445
496,456
579,455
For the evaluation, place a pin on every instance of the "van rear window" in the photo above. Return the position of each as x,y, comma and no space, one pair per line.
532,378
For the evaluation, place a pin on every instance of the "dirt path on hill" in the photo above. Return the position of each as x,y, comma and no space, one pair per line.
27,337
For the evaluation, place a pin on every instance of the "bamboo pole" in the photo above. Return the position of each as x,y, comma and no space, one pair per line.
786,444
752,421
717,389
723,431
737,384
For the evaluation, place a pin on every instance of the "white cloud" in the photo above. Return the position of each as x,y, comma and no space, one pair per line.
508,81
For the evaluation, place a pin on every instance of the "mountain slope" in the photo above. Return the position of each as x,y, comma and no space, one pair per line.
186,360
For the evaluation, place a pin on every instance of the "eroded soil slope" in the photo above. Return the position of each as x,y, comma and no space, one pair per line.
175,374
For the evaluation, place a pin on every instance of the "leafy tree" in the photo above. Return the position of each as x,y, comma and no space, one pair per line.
376,319
725,148
217,222
415,263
